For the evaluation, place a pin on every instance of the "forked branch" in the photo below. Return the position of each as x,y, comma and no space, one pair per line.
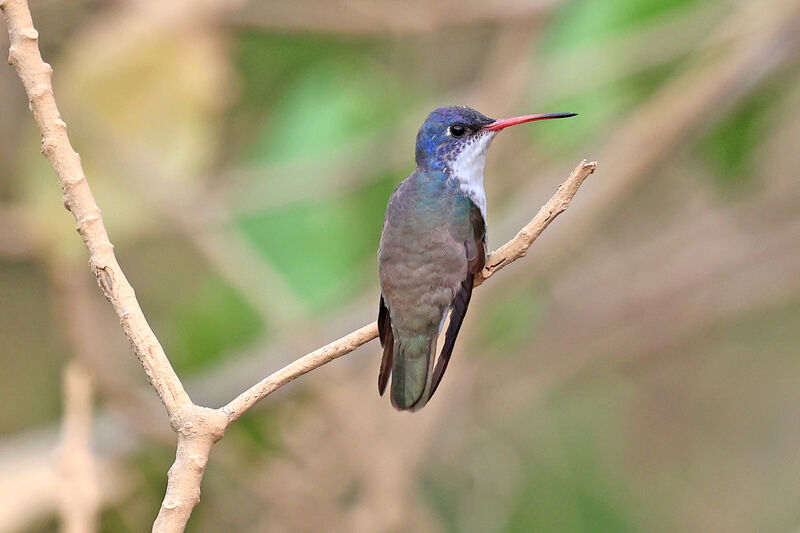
197,427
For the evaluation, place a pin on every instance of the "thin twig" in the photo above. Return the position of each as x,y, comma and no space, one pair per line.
84,331
518,246
295,369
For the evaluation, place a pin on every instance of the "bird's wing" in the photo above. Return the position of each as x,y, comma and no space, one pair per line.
475,248
387,341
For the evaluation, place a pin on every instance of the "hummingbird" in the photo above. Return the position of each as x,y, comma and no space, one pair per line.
433,244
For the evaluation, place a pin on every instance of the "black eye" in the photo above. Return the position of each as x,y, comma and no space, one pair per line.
458,130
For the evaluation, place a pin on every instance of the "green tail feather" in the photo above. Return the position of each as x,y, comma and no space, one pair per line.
410,370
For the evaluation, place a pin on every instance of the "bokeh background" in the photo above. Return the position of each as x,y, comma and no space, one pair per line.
639,371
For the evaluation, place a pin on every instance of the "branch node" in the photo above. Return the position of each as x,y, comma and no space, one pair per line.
195,421
39,90
49,144
86,220
71,181
199,461
171,504
104,279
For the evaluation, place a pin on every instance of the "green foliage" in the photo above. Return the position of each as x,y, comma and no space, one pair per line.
307,96
268,63
600,108
730,145
308,99
209,322
320,246
324,108
581,23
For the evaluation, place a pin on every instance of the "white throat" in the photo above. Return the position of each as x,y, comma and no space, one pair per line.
468,170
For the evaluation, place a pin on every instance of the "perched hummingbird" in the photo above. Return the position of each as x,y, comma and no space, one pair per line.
432,245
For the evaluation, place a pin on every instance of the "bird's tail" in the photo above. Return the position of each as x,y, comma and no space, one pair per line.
411,370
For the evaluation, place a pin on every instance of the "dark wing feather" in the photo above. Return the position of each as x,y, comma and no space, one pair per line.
384,324
387,341
476,259
457,313
477,262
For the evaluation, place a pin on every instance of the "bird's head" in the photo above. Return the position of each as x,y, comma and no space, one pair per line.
459,136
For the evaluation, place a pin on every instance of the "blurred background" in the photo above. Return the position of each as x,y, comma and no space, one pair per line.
639,371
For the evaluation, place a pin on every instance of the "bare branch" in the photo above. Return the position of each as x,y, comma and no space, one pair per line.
518,246
295,369
35,74
199,430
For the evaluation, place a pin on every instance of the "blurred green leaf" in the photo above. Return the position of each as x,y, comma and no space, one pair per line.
269,63
325,108
598,108
586,23
303,97
209,322
730,145
320,246
580,23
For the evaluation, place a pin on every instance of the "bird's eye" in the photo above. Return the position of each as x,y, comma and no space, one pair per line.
458,130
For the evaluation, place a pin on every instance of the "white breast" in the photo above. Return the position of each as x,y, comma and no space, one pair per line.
468,170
